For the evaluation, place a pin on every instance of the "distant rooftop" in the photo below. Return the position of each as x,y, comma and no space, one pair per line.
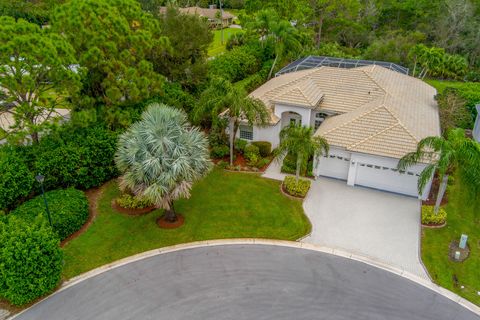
311,62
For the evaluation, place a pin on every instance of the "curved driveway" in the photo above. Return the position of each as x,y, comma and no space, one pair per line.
246,282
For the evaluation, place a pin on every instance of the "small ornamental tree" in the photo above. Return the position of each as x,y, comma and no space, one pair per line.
161,156
30,260
300,142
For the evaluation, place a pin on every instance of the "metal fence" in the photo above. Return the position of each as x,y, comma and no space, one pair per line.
311,62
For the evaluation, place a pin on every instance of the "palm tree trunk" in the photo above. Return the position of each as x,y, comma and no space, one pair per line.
299,165
232,137
440,194
170,214
273,66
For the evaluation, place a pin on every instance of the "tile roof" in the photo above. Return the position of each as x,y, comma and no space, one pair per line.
379,111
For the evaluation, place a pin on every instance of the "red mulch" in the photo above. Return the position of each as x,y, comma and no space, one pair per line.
242,162
432,197
164,224
92,196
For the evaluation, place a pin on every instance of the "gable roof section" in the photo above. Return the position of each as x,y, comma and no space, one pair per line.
304,93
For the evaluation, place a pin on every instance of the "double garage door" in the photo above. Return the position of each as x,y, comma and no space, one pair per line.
369,173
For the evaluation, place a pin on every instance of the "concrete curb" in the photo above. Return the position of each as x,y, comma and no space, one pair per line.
283,243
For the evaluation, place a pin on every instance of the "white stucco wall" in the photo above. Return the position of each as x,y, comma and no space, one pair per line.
305,113
267,133
371,171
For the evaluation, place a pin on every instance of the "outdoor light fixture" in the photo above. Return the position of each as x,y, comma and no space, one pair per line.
40,179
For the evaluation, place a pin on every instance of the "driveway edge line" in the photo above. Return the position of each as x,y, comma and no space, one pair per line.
282,243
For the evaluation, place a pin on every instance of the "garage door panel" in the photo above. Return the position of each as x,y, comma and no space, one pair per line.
386,178
334,166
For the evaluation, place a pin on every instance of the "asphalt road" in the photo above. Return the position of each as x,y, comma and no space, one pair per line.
253,282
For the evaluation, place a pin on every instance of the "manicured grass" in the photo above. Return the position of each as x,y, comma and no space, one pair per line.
440,85
223,205
216,47
435,246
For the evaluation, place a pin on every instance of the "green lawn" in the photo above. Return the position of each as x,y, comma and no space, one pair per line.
223,205
216,47
440,85
461,219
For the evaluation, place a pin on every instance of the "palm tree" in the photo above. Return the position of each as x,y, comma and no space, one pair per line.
221,98
285,38
161,156
445,155
299,140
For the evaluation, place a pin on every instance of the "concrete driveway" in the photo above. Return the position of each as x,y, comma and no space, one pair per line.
240,282
375,224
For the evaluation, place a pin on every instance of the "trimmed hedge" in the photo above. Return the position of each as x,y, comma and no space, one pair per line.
430,218
264,147
240,145
31,260
294,188
129,201
16,181
68,209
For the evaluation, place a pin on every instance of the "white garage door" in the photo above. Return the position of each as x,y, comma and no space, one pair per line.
385,178
334,166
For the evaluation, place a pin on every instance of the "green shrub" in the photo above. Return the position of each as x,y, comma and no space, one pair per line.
240,145
222,164
252,154
219,151
31,260
68,209
129,201
76,157
264,147
234,65
294,188
16,181
429,217
262,163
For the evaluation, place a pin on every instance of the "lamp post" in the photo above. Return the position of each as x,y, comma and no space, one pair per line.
40,178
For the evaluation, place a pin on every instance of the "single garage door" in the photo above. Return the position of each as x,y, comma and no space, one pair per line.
334,166
388,179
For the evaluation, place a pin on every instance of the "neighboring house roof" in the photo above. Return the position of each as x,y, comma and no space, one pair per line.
208,13
7,120
379,111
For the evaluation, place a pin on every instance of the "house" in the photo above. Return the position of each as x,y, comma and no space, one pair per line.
214,16
370,115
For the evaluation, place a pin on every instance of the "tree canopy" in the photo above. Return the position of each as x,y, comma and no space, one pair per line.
36,73
117,43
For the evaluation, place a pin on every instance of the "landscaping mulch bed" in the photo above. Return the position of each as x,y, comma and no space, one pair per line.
92,195
241,162
164,224
131,212
434,226
432,196
464,253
